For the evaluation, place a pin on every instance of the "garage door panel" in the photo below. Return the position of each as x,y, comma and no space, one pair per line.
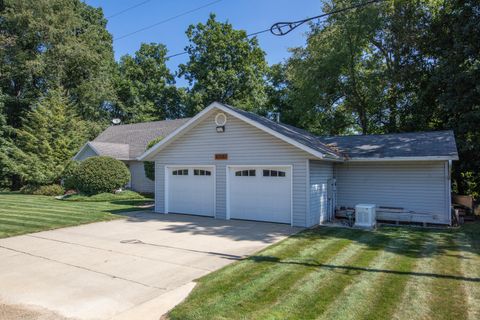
265,196
191,190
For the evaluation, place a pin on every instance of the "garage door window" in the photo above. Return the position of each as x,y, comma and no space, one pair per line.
245,173
180,172
199,172
273,173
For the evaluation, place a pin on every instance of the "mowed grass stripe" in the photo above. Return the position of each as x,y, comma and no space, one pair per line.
470,267
229,290
29,214
271,271
310,295
356,300
449,300
391,285
53,206
44,218
418,287
241,272
22,222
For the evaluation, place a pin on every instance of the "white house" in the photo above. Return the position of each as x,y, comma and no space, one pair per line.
232,164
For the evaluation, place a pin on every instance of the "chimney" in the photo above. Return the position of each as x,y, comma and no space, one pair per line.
277,115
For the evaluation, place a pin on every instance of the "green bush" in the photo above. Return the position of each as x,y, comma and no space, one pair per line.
68,175
149,166
100,174
48,190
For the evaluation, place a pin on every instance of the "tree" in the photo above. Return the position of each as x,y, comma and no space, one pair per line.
454,41
146,88
149,166
55,43
51,136
362,70
225,66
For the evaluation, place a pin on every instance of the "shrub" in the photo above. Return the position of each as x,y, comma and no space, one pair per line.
149,166
48,190
28,189
100,174
68,175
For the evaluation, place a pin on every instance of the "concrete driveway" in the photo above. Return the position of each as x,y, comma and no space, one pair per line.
137,268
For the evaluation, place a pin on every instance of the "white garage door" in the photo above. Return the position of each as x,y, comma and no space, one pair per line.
260,193
191,190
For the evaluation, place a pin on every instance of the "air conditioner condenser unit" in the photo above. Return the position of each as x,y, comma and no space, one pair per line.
365,215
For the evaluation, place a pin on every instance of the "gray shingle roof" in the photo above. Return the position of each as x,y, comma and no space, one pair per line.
403,145
297,134
136,136
115,150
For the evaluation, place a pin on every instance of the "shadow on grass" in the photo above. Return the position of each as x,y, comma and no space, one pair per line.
348,269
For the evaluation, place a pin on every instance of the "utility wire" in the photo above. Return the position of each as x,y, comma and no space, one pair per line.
283,28
168,19
128,9
276,28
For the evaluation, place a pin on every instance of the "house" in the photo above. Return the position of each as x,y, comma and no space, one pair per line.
128,142
232,164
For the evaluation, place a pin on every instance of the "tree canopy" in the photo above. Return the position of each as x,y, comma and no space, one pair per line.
225,65
392,66
146,88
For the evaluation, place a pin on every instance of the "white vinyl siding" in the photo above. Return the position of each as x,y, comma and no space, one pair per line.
245,145
139,181
320,173
420,186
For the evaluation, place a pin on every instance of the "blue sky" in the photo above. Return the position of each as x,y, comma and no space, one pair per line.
250,15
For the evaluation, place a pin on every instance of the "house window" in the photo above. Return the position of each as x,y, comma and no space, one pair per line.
273,173
245,173
200,172
180,172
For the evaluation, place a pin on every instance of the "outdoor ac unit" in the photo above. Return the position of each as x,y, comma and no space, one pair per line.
365,215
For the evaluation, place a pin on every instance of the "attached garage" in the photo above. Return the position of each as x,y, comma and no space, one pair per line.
190,190
232,164
262,193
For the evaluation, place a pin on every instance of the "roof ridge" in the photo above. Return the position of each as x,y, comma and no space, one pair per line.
290,127
383,134
146,122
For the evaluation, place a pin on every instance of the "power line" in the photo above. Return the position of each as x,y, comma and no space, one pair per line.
167,20
185,52
277,27
128,9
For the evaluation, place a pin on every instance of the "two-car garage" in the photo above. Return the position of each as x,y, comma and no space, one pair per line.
262,193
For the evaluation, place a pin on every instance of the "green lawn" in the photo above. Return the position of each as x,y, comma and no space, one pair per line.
21,213
337,273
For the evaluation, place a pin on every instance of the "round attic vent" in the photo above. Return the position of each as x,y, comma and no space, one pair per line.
220,119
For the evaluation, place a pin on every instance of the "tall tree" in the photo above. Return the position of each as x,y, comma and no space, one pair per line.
224,65
53,133
146,88
454,42
53,43
361,69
